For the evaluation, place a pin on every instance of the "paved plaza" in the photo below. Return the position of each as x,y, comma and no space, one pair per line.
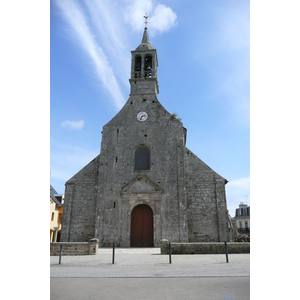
144,273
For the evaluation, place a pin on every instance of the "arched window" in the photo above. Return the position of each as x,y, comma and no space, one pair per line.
148,66
148,63
138,63
142,159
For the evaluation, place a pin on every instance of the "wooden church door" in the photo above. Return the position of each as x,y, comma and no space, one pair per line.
141,234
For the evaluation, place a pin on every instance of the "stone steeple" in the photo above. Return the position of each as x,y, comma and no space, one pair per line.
144,68
146,37
145,44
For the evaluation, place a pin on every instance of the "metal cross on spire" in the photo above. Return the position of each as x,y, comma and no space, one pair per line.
146,22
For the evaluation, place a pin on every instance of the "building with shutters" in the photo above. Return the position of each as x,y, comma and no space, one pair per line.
242,218
56,212
145,185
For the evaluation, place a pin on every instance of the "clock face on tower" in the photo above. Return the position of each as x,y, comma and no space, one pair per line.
142,116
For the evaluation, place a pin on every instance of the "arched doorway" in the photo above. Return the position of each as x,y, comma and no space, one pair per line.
141,233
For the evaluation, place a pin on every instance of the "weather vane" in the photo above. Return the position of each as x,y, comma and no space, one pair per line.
146,22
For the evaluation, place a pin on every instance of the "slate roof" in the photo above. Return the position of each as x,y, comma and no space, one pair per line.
55,196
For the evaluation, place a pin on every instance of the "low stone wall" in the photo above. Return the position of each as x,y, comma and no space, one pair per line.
73,248
204,248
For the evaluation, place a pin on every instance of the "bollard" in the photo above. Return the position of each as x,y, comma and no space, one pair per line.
226,251
113,258
60,252
170,253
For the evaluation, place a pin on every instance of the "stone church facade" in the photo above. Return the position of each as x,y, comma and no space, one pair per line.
145,185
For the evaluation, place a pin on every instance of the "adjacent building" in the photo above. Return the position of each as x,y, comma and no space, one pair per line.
242,219
56,211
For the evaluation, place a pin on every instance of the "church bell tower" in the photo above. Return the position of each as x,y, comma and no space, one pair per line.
144,64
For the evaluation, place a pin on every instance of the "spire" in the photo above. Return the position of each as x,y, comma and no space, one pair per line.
145,44
146,36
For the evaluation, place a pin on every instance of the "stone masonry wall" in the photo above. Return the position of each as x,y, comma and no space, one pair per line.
78,222
73,248
204,248
206,212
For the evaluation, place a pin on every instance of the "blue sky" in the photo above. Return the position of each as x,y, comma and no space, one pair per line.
203,50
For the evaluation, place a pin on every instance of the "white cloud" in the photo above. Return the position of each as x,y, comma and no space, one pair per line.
111,33
161,20
75,16
73,124
134,12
